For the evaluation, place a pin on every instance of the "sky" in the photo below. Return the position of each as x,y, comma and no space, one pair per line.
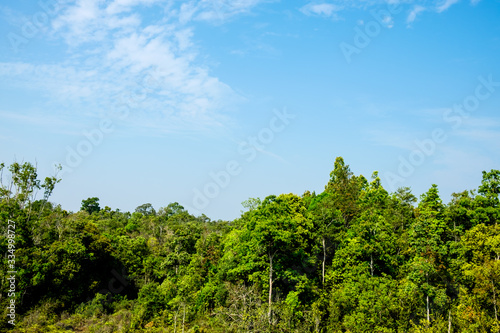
211,102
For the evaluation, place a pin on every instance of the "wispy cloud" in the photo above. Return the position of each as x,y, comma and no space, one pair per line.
320,9
12,17
414,7
413,14
393,135
445,5
216,11
37,118
487,136
483,130
116,59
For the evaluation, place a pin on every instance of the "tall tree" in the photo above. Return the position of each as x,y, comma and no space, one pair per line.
428,245
482,245
91,205
328,226
488,202
146,209
345,189
278,231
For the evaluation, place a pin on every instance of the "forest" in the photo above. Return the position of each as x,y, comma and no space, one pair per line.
353,258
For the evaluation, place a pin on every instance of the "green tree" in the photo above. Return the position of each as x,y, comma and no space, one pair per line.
91,205
251,203
488,203
275,237
428,276
328,225
345,189
482,246
146,209
490,185
172,209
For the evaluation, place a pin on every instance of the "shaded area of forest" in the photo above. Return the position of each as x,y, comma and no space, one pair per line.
353,258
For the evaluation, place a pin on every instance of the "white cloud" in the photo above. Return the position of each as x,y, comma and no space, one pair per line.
388,21
413,14
115,59
216,11
414,7
120,6
320,9
445,5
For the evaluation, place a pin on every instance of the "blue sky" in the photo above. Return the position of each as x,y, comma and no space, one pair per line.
209,103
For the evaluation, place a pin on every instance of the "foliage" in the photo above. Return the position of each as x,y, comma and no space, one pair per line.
91,205
353,258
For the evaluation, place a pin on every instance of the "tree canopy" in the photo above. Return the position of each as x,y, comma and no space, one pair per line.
353,258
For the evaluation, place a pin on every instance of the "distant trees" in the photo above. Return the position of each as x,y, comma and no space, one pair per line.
353,258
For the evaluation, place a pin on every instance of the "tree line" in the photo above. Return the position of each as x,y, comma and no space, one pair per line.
353,258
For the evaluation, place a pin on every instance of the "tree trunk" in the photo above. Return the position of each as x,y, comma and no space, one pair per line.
494,300
270,287
428,311
183,318
455,230
371,264
427,301
175,320
449,321
324,260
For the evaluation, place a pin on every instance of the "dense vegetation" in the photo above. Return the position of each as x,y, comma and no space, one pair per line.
353,258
